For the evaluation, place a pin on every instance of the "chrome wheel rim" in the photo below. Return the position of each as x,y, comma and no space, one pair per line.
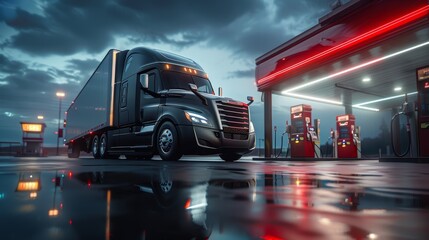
165,181
94,146
102,145
166,140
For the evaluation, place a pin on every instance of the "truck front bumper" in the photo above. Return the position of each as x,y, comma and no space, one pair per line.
202,140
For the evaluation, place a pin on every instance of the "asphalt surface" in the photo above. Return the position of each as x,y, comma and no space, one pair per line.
206,198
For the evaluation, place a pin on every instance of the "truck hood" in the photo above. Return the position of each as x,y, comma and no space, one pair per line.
210,97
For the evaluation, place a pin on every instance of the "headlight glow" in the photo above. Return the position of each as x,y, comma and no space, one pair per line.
196,118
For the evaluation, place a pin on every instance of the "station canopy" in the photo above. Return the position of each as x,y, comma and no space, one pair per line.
363,54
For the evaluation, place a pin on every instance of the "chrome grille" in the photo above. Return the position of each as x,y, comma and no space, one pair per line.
234,117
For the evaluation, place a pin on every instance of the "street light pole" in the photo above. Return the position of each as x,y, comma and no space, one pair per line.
60,95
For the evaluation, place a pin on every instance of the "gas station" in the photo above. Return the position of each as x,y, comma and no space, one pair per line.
369,55
32,138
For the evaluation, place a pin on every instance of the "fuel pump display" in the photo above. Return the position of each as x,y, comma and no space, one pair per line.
304,138
423,110
347,139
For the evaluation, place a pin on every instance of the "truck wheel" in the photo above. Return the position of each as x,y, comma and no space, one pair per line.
230,157
95,147
103,147
73,150
168,142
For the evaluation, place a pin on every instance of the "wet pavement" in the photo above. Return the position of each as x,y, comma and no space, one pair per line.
194,199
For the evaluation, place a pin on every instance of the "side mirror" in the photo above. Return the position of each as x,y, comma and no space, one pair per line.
193,87
220,91
144,81
250,99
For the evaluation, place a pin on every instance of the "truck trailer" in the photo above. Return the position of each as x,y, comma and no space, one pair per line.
142,102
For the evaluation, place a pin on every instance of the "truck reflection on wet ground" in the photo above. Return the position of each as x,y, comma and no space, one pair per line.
183,200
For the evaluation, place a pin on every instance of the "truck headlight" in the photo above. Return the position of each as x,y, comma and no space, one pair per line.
251,127
196,118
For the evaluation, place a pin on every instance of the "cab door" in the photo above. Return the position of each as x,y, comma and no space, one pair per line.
149,109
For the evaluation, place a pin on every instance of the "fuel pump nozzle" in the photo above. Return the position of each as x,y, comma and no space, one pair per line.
312,135
333,137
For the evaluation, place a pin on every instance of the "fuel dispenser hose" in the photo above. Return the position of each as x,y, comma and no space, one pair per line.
408,135
314,149
281,147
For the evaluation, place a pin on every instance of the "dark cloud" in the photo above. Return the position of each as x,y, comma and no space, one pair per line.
80,70
23,20
70,26
249,41
31,91
91,26
306,11
10,66
250,73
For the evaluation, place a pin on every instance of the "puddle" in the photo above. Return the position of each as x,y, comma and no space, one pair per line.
185,201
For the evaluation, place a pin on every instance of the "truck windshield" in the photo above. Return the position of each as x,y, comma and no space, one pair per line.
177,80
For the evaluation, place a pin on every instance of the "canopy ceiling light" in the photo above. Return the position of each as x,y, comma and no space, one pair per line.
382,29
356,67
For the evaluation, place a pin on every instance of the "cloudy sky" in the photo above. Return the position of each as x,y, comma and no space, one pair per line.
47,46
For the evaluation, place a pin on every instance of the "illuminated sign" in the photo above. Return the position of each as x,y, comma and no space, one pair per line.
296,109
53,212
32,127
28,186
423,74
343,118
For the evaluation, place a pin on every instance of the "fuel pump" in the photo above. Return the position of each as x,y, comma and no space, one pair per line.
347,137
304,138
423,111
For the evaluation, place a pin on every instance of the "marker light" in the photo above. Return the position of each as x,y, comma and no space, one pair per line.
367,79
167,66
397,89
421,12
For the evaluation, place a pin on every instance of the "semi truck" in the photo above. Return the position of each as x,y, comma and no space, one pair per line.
143,101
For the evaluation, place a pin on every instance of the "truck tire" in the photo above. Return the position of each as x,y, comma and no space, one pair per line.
95,147
73,150
168,142
103,147
230,157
